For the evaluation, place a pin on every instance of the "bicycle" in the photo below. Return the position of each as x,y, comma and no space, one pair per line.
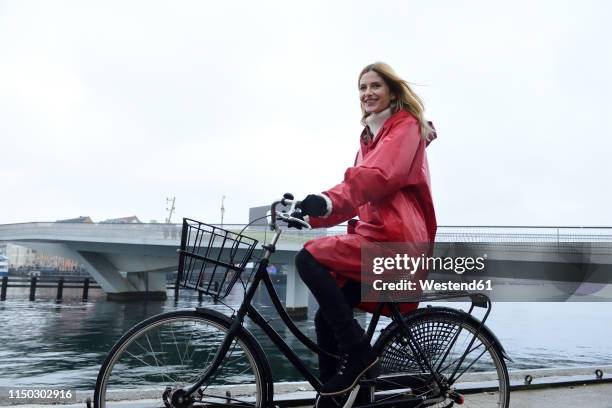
433,356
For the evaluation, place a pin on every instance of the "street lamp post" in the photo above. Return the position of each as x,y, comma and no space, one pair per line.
171,209
222,209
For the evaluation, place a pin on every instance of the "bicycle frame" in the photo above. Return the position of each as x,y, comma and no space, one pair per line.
246,309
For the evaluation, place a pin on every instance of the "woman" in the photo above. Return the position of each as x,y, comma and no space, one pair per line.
388,188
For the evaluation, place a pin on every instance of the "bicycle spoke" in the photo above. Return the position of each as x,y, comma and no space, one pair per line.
188,342
451,344
460,356
455,378
213,376
176,345
226,398
147,366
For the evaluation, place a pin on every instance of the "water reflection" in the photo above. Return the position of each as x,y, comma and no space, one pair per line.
46,343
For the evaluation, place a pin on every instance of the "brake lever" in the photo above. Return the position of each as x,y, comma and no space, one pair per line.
286,217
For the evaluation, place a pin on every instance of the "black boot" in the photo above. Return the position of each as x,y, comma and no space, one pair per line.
325,340
355,362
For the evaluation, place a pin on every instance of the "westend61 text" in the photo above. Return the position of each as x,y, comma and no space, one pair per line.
405,262
429,285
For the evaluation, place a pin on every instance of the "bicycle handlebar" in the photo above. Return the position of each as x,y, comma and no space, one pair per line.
287,200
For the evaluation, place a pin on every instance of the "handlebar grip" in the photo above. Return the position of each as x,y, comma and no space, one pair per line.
287,218
287,200
304,223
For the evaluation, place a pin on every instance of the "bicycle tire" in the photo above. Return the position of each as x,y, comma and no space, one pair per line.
443,334
168,351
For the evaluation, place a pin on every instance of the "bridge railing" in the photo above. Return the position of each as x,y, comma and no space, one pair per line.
523,234
169,234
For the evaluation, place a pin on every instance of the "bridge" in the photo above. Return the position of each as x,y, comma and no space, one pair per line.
131,261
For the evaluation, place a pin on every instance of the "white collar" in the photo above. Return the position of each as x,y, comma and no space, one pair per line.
375,121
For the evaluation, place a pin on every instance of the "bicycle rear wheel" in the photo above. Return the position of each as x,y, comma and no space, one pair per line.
170,351
478,377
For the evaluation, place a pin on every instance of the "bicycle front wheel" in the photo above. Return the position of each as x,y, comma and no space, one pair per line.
170,351
467,361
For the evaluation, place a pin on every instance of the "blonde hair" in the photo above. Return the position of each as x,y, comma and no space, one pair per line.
405,98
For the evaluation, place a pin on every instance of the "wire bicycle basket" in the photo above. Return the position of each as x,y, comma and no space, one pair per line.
211,258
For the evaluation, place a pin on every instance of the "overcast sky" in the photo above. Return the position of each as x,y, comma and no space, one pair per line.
108,108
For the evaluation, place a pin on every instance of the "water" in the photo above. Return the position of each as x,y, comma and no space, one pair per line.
46,343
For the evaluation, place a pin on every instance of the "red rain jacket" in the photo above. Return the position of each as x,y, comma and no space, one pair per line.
388,189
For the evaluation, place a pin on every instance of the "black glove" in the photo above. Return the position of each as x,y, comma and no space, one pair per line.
314,205
295,224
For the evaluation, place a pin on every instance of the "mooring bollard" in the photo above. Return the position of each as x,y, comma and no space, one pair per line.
33,288
85,289
4,286
60,290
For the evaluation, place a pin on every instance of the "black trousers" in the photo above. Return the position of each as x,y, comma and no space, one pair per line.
335,324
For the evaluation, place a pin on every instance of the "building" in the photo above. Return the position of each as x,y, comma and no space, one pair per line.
4,266
22,258
124,220
18,256
78,220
